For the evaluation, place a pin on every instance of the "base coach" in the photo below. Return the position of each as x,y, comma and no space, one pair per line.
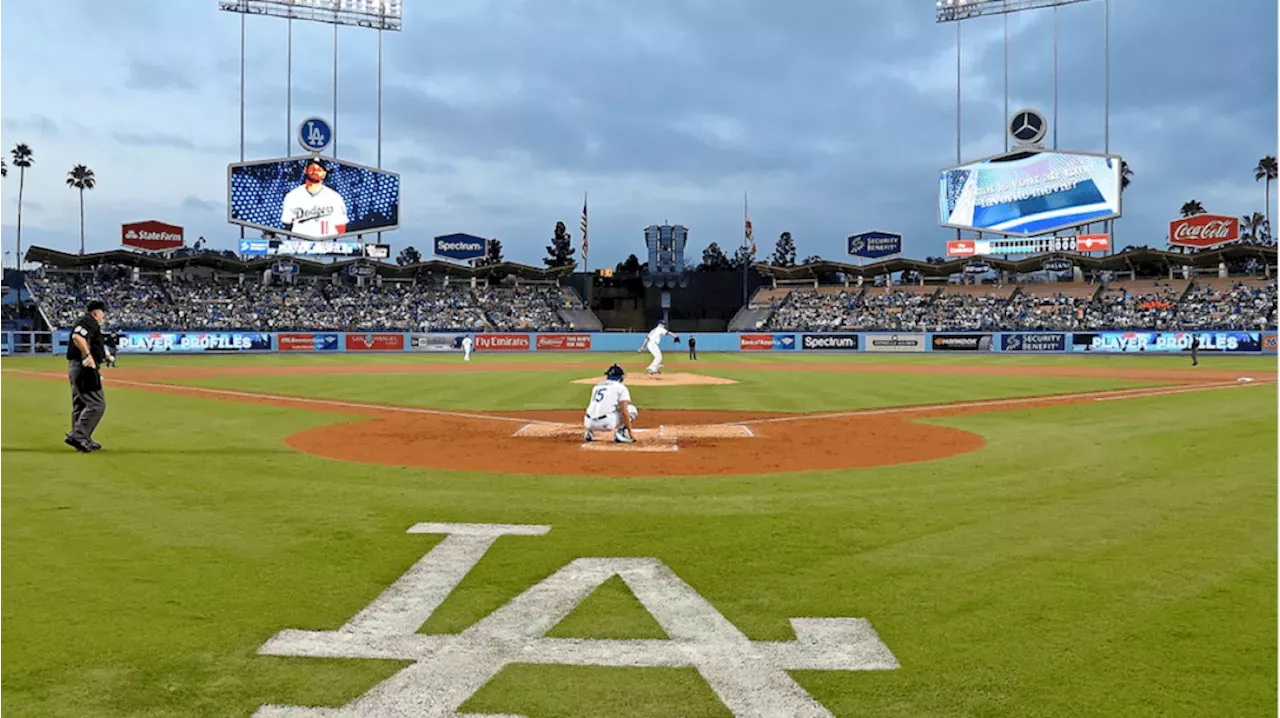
85,354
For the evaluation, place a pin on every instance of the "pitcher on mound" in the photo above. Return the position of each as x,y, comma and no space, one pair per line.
611,408
653,342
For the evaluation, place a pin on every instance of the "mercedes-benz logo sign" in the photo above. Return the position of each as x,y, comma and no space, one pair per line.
1027,126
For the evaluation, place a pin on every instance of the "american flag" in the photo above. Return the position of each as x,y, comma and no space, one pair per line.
585,244
747,217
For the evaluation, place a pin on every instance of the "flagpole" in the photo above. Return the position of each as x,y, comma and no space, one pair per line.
746,224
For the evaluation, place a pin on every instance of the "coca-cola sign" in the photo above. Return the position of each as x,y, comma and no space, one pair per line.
1204,231
151,235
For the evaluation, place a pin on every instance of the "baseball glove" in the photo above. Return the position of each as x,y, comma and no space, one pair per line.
677,340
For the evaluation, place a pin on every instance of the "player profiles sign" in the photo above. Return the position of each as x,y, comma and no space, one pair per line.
151,235
312,197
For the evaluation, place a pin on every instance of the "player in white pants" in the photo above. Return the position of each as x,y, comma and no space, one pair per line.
653,342
467,343
611,408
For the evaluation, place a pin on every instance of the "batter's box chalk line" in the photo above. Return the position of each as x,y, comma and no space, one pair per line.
662,433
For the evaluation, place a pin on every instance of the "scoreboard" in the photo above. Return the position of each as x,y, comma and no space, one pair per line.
1029,245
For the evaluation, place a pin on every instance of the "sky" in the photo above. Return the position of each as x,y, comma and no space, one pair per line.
501,114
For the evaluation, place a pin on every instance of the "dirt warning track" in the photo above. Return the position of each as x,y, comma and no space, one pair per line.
677,443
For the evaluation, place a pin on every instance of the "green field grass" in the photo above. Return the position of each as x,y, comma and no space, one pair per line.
1109,558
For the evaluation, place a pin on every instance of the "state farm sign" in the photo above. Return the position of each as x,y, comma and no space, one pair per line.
151,235
1204,231
961,248
502,342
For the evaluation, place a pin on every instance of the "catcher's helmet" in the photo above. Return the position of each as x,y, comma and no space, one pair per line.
614,373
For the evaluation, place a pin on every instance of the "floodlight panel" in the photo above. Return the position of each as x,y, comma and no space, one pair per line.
955,10
377,14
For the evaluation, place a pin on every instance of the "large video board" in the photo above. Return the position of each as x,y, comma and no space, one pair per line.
312,197
1029,193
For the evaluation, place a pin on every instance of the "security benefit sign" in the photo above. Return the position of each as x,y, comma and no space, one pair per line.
187,342
1033,342
874,244
312,198
441,672
1166,342
961,342
462,247
893,342
829,342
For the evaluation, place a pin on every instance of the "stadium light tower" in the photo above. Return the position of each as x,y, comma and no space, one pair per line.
377,15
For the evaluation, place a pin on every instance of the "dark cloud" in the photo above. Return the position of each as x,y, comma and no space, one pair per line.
33,124
201,205
153,139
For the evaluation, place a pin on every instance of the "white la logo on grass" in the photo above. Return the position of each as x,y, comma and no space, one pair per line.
749,676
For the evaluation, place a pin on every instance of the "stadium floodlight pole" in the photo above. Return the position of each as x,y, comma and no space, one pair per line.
335,85
958,160
1055,77
1106,102
1006,79
956,10
288,97
242,32
379,109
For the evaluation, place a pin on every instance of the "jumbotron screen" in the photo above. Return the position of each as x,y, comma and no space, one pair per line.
1030,193
312,197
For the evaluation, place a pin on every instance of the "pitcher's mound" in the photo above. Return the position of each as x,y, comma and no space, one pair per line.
640,378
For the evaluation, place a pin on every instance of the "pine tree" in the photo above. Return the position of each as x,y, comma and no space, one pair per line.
714,259
560,251
784,253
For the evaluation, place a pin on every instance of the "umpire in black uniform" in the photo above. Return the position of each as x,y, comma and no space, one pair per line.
86,352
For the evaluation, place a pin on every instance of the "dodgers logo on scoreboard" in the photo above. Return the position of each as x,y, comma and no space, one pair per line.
314,134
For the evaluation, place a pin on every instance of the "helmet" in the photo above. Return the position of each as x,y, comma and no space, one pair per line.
614,373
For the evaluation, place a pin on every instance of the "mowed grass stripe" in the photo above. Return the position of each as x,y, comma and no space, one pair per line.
757,391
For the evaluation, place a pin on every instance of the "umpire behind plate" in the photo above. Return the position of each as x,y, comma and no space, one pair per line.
86,352
611,408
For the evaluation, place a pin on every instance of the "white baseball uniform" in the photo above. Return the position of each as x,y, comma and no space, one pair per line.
603,413
653,343
466,348
314,215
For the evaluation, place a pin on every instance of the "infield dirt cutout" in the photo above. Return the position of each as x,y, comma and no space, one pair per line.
676,379
670,443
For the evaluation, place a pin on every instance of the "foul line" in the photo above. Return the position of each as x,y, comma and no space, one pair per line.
1113,395
299,399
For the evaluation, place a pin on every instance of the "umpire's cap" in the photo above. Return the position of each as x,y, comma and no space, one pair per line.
614,373
96,305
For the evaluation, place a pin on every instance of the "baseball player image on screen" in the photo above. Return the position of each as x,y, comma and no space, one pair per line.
314,210
653,342
611,408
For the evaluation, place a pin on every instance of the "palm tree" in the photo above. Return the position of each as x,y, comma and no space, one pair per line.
4,168
81,178
1192,207
1266,170
1126,176
22,159
1254,228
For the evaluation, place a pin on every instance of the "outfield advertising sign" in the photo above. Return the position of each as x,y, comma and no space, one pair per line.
961,342
307,342
1033,342
906,342
1269,342
435,343
564,342
829,342
380,342
183,342
1165,342
784,342
755,342
502,342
